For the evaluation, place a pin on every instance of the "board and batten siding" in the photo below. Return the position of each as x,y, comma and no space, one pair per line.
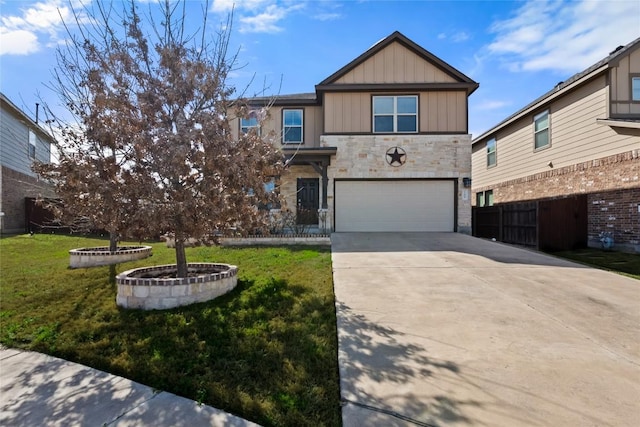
621,85
14,152
347,112
444,111
395,64
312,125
439,112
575,137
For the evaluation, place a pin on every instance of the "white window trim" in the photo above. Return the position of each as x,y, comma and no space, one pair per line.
494,152
635,79
301,126
548,129
33,142
395,112
248,128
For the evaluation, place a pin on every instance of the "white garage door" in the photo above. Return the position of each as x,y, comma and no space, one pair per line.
411,205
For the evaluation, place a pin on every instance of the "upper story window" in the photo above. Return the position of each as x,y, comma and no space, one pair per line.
635,88
491,152
250,124
541,130
32,144
292,126
395,114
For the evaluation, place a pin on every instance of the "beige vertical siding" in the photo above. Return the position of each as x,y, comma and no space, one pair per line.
439,112
347,112
312,125
575,138
621,85
395,64
443,112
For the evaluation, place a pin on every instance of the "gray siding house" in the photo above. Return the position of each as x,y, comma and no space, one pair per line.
21,142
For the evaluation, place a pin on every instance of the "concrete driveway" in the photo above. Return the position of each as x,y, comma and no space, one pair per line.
442,329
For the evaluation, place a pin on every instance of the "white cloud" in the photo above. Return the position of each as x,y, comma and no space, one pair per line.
457,37
260,16
268,20
460,37
22,34
492,105
327,16
265,22
564,36
18,42
238,5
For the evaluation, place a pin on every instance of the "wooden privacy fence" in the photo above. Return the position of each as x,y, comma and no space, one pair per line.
548,225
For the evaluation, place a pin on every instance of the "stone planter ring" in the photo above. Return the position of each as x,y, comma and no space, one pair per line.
157,288
93,257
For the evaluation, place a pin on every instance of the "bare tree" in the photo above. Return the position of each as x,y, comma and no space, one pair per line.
155,152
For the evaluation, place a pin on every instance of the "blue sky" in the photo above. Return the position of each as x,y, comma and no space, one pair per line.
516,50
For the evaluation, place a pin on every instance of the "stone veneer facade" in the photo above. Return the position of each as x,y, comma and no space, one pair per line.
612,185
161,294
97,256
363,157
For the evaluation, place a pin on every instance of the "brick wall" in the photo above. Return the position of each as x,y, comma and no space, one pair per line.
615,212
620,171
15,187
611,183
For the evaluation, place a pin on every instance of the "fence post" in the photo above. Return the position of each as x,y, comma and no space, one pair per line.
500,224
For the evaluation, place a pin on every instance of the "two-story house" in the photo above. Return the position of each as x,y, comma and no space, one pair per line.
381,145
580,140
22,141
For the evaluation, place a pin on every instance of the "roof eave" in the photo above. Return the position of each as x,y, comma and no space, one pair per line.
26,118
630,124
468,87
541,102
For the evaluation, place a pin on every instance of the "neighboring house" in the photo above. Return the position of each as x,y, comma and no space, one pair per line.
21,142
381,145
580,140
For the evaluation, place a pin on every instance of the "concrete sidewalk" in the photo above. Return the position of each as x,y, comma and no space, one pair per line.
443,329
40,390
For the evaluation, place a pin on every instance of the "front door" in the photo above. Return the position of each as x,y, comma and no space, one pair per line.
308,201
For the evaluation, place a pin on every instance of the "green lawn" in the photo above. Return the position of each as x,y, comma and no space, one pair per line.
266,351
618,262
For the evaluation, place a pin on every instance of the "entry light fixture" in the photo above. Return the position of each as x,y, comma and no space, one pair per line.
466,182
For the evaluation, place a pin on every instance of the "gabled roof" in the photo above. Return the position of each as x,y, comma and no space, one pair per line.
561,88
397,37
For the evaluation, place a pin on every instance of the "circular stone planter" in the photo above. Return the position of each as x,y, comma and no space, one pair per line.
93,257
154,288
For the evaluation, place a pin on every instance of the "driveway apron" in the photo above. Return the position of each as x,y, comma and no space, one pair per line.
443,329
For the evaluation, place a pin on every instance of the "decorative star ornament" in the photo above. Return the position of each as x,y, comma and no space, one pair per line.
396,156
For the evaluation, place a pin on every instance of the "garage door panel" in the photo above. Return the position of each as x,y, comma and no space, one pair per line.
417,205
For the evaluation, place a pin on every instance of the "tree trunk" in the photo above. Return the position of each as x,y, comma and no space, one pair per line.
113,241
181,257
